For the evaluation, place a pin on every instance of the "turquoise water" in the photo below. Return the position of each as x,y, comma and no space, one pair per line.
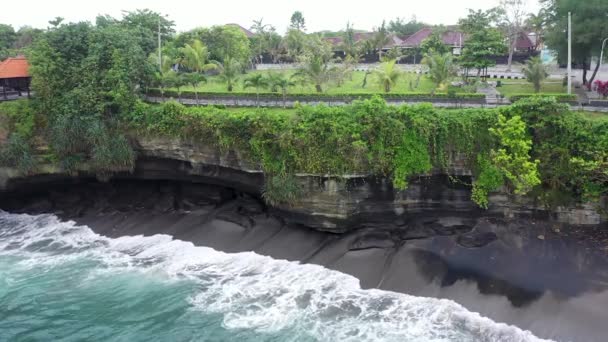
60,281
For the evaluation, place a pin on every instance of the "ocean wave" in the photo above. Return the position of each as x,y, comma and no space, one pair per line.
254,292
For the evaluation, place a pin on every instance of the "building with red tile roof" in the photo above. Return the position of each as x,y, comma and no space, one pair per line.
16,67
14,75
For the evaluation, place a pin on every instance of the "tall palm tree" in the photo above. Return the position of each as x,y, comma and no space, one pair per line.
381,38
195,57
387,75
535,72
441,68
257,81
230,71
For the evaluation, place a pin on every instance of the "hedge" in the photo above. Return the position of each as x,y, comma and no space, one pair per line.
319,97
559,97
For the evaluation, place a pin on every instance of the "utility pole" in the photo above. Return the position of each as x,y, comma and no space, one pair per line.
160,54
569,53
602,54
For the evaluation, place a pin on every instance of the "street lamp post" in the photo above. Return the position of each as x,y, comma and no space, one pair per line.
602,53
569,53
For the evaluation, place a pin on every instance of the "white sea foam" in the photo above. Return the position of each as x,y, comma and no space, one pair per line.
257,292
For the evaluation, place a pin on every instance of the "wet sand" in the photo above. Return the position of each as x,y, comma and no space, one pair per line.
546,278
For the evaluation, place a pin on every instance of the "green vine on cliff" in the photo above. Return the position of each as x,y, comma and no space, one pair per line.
513,155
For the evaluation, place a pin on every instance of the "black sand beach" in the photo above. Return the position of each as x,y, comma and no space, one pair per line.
548,278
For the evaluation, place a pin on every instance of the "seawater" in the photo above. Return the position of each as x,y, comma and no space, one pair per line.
62,282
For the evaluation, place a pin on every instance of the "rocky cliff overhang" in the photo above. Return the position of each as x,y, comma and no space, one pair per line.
333,203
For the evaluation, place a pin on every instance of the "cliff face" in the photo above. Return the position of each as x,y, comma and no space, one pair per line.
327,203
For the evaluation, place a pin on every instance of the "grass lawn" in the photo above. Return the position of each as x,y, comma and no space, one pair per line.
353,85
511,88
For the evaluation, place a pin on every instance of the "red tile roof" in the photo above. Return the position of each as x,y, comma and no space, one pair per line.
524,42
14,68
450,37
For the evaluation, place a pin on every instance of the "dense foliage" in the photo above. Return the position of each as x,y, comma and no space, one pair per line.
17,126
535,144
84,76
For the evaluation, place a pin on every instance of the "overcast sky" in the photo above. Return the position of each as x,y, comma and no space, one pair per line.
319,14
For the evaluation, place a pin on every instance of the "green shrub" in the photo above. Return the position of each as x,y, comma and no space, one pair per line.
453,95
17,152
559,97
281,189
18,117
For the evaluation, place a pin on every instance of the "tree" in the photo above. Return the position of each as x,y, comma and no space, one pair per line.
259,41
145,23
381,38
441,68
179,80
257,81
294,43
349,43
56,22
194,56
536,23
435,43
26,37
535,72
225,42
297,21
395,53
195,79
483,42
273,44
387,75
280,81
404,29
230,71
314,63
588,30
7,36
85,77
511,17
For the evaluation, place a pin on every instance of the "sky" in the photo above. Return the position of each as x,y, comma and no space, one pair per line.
318,14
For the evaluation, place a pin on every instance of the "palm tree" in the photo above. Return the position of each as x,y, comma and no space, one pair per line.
230,71
314,66
179,80
387,75
441,68
161,73
314,69
195,57
381,38
535,72
194,79
280,81
169,79
256,81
